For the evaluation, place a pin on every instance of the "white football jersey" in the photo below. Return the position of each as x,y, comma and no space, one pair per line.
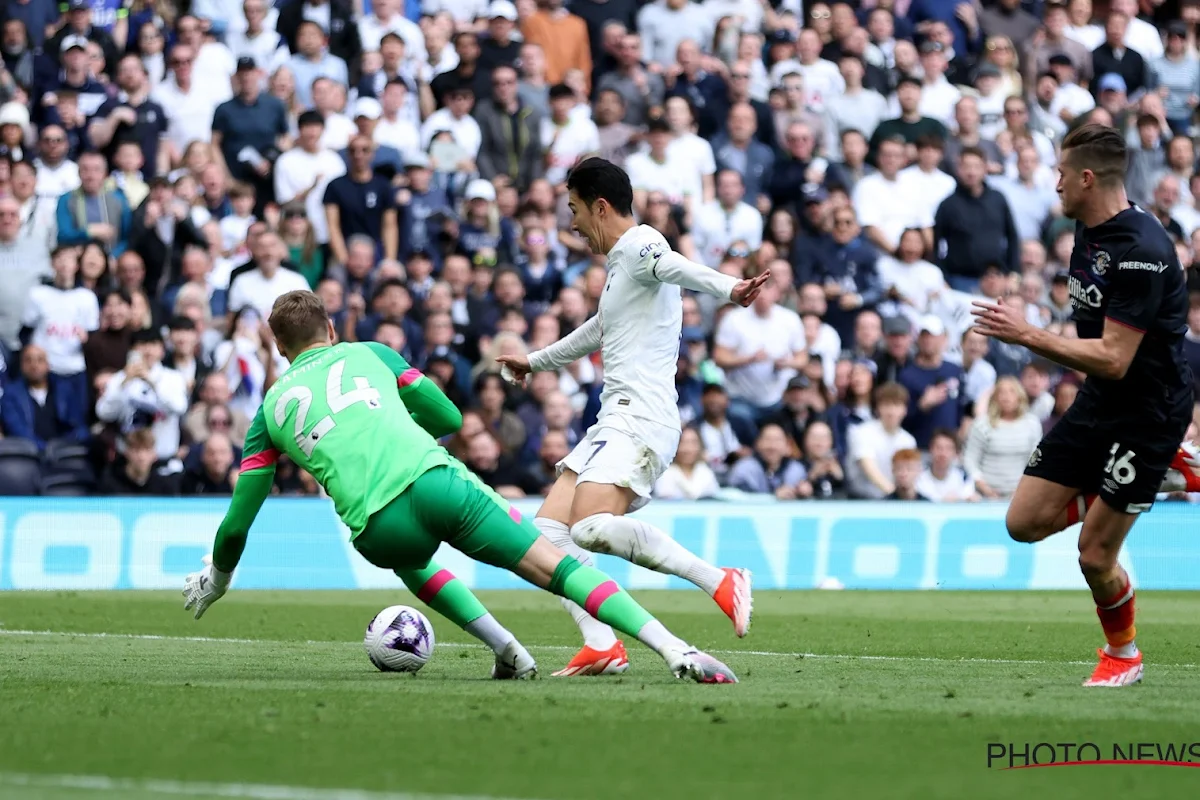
637,326
640,323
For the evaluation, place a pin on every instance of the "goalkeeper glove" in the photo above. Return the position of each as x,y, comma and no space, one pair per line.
202,589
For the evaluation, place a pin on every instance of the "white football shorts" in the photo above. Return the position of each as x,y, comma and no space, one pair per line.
624,451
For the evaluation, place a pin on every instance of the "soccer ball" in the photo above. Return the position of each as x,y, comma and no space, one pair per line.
399,639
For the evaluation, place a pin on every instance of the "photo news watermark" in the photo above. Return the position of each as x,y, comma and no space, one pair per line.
1025,755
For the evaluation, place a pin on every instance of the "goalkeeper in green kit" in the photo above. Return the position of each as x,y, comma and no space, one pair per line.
363,422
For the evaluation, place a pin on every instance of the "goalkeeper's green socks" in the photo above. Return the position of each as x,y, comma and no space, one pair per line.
601,597
447,595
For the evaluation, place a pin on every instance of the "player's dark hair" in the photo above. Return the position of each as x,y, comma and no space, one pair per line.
561,91
298,319
1099,149
598,179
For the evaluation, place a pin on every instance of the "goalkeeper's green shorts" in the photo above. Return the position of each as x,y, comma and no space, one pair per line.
446,504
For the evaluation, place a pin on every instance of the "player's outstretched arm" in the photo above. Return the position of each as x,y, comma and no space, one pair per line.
580,342
202,589
1108,357
426,403
667,266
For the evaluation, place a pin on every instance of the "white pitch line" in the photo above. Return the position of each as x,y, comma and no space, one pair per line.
565,648
253,791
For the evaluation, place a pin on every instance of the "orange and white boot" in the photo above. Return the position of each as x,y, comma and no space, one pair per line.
1187,464
735,598
590,661
1113,671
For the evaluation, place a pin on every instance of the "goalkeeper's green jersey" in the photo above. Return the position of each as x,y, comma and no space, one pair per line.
336,413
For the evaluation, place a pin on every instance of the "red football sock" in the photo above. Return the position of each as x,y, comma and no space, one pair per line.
1116,616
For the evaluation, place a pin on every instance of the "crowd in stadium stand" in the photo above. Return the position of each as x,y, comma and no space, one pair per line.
169,168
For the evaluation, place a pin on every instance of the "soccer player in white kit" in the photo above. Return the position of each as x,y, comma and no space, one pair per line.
614,467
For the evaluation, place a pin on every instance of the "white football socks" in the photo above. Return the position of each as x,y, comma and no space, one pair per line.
595,633
646,546
1124,651
487,630
655,636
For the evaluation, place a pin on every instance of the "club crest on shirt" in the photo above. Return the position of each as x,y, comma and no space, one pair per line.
1100,262
1035,457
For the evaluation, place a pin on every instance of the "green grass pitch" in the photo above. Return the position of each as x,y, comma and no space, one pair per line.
898,695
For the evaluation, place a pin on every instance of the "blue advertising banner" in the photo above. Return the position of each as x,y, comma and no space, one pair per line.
133,543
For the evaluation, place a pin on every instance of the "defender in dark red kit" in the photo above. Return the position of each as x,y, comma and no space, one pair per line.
1119,442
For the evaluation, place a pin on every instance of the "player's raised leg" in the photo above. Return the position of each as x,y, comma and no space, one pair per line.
395,538
615,468
546,566
1100,541
482,525
603,653
599,524
439,589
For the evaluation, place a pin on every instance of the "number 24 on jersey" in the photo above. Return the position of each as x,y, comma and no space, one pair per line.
335,399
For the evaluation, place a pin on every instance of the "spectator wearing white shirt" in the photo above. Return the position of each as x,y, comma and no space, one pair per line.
724,438
1141,36
688,477
188,105
872,444
464,12
881,204
38,213
823,340
938,95
566,137
385,18
1031,203
395,129
60,315
910,283
302,173
944,481
1001,440
1070,100
455,118
146,394
329,100
258,41
727,219
688,148
856,108
655,170
213,62
750,12
925,185
1080,27
761,348
261,286
56,174
822,79
663,24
